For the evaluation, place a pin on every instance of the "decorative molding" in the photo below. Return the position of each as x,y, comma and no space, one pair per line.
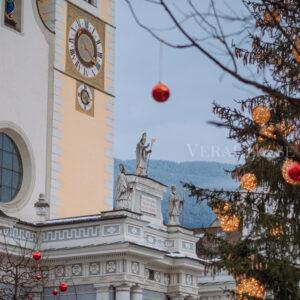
94,268
187,246
76,270
135,267
157,276
189,279
19,234
133,230
169,243
167,279
71,234
60,271
111,266
147,273
150,239
111,230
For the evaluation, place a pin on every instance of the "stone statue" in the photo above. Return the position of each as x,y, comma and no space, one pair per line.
142,156
123,190
175,207
9,11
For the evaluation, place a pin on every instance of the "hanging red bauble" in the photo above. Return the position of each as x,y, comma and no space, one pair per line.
294,172
55,292
291,172
38,276
63,286
36,255
161,92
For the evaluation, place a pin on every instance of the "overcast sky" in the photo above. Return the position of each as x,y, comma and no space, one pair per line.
180,125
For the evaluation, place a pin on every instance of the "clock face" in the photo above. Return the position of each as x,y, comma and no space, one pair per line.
85,97
85,48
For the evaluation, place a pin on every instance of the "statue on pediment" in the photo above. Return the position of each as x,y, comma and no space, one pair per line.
123,190
175,206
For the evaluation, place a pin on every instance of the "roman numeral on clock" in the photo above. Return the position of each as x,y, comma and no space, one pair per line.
98,66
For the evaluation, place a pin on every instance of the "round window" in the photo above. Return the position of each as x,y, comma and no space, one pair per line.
11,170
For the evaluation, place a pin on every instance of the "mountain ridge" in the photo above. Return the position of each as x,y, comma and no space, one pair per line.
205,174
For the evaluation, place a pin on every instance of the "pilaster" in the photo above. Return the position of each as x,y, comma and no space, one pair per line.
123,292
103,292
177,297
137,293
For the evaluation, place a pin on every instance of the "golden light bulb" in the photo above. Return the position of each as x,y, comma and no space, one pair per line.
272,17
249,182
276,231
250,287
296,51
261,115
285,128
221,208
229,223
267,132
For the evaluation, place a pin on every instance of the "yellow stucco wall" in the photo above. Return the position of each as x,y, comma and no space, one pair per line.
83,161
107,9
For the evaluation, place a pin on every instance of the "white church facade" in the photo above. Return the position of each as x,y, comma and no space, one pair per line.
56,165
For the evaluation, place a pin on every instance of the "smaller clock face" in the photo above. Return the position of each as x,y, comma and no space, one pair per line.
85,48
85,97
47,13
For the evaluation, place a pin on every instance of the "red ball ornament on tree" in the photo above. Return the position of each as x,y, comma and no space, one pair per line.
294,172
36,255
161,92
55,292
63,286
38,276
291,172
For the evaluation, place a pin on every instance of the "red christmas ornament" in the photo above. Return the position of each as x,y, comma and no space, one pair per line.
38,276
63,286
294,172
161,92
55,292
36,255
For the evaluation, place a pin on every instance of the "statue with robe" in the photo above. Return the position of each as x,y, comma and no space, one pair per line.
175,206
123,190
9,11
142,156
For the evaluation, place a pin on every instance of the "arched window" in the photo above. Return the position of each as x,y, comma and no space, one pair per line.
11,169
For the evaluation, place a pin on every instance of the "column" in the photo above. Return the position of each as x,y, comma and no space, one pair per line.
137,293
122,292
103,292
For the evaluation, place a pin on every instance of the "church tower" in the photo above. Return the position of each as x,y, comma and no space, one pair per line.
57,100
